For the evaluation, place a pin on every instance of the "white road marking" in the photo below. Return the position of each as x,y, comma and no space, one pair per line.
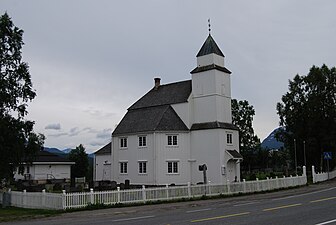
247,203
326,222
134,218
310,193
198,210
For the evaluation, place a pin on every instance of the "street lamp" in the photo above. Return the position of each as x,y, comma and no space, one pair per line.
295,156
304,152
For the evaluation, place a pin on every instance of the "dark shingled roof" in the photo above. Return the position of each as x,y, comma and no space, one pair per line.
104,150
209,47
44,156
213,125
210,67
235,154
165,95
158,118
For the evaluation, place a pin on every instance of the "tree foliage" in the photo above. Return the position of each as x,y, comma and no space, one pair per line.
249,143
308,113
79,156
18,143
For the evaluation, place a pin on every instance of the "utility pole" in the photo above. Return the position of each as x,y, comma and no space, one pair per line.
304,152
295,156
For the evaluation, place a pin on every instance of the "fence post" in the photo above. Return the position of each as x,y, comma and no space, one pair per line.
118,194
91,196
313,174
64,200
189,190
228,186
268,183
209,186
43,198
144,193
167,191
244,186
24,198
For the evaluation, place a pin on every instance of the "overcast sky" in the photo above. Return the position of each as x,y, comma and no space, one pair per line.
91,60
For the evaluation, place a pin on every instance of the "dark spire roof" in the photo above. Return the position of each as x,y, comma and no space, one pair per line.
209,47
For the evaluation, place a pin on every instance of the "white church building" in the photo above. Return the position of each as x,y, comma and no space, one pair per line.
174,128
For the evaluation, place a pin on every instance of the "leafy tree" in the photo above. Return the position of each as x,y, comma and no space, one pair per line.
79,156
18,143
242,117
308,113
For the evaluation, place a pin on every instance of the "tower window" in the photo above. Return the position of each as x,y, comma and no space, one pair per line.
229,138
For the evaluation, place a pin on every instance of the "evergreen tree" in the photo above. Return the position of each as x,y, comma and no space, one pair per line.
79,156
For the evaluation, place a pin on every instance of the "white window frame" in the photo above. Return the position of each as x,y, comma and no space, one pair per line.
142,167
172,140
229,137
173,167
123,167
123,143
142,141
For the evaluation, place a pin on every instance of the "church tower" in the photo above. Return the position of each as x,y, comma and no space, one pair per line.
214,139
211,85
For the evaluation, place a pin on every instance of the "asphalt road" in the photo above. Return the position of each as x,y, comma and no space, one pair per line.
311,205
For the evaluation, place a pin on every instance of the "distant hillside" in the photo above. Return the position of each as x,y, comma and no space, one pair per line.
63,153
271,142
55,151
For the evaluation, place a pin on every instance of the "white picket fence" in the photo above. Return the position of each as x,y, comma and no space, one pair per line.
319,177
64,200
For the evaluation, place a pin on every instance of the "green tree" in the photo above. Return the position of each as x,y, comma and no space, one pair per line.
79,156
18,143
308,113
249,143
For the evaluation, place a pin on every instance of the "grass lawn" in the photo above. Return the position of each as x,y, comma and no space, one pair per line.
12,213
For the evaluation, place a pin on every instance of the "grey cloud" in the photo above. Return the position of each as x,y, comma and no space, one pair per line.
97,143
53,126
74,131
104,134
99,113
58,135
90,130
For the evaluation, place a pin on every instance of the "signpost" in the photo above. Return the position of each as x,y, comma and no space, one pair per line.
327,156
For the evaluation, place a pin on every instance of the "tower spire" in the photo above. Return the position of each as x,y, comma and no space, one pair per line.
209,24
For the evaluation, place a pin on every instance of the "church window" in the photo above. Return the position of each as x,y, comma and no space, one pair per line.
123,167
142,167
123,142
142,141
172,140
173,167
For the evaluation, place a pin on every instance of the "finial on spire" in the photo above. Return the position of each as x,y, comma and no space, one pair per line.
209,26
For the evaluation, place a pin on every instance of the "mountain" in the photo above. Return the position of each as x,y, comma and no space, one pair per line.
53,150
67,150
271,142
63,152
